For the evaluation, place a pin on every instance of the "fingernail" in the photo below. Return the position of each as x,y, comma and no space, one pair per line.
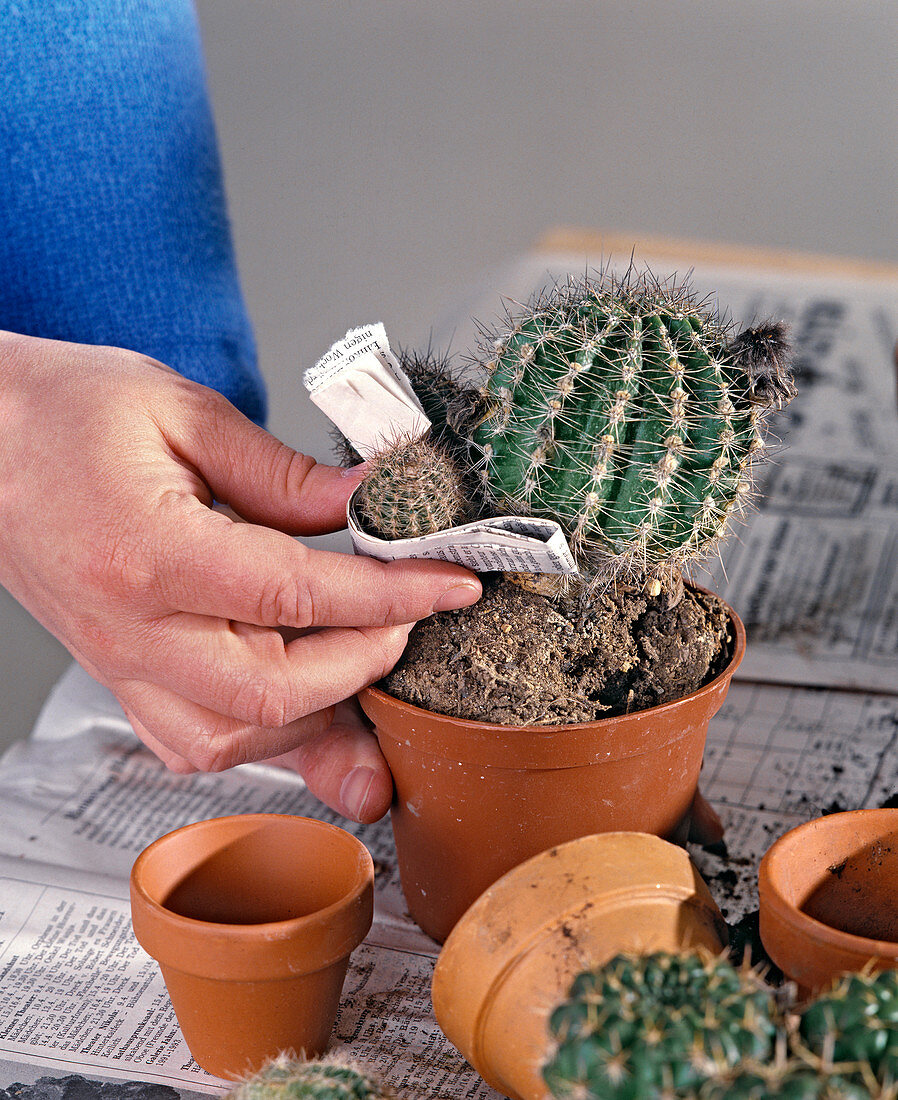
463,595
356,473
355,789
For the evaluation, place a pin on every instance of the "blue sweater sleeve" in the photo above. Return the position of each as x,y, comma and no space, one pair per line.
113,227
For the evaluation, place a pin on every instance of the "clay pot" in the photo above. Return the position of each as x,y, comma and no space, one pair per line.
828,893
252,920
474,799
514,954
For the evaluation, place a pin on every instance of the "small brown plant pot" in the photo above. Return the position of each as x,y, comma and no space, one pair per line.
252,920
513,955
828,893
474,799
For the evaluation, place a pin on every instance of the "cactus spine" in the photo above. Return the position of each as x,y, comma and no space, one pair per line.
628,413
657,1025
328,1078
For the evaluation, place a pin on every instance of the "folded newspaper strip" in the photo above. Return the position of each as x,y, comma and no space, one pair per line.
501,543
361,387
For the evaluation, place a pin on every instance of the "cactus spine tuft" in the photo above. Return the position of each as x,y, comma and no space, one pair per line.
627,412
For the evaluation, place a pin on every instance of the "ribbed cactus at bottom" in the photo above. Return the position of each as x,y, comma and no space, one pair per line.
630,414
856,1022
328,1078
661,1024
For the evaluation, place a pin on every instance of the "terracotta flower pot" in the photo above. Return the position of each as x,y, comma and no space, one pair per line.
828,893
252,920
513,955
474,799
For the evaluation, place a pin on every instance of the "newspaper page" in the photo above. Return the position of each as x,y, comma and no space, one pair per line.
814,574
80,997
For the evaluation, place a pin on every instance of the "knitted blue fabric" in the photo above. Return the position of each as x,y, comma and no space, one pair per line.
113,228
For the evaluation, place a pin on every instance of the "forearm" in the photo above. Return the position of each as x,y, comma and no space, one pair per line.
113,227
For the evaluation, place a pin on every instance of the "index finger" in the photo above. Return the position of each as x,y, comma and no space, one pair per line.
209,565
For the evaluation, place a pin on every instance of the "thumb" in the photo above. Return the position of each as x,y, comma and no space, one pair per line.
261,478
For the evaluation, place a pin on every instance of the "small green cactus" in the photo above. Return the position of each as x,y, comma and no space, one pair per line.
657,1025
412,488
328,1078
856,1022
628,413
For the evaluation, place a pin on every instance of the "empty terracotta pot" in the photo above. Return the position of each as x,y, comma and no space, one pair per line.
474,799
513,955
252,920
828,893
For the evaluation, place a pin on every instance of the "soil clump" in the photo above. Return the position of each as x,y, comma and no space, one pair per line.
519,658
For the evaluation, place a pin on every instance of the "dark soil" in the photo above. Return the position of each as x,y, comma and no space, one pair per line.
519,658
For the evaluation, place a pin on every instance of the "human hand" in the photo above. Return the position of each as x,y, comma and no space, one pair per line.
224,642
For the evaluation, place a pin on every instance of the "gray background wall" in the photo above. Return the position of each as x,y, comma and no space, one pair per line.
380,155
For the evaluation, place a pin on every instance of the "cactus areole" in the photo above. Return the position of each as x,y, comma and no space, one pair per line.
630,414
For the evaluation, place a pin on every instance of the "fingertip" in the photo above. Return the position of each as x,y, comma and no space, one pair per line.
366,794
459,596
355,474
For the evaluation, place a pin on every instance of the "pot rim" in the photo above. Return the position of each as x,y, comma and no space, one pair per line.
332,931
469,725
772,897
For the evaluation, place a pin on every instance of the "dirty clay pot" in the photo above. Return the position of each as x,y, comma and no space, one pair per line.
828,893
252,920
514,954
474,799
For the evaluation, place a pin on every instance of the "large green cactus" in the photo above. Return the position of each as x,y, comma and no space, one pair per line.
627,412
657,1025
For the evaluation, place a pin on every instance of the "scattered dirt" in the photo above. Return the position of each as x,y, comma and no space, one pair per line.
520,658
747,948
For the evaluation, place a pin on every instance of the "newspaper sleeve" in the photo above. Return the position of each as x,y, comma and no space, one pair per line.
508,544
361,387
